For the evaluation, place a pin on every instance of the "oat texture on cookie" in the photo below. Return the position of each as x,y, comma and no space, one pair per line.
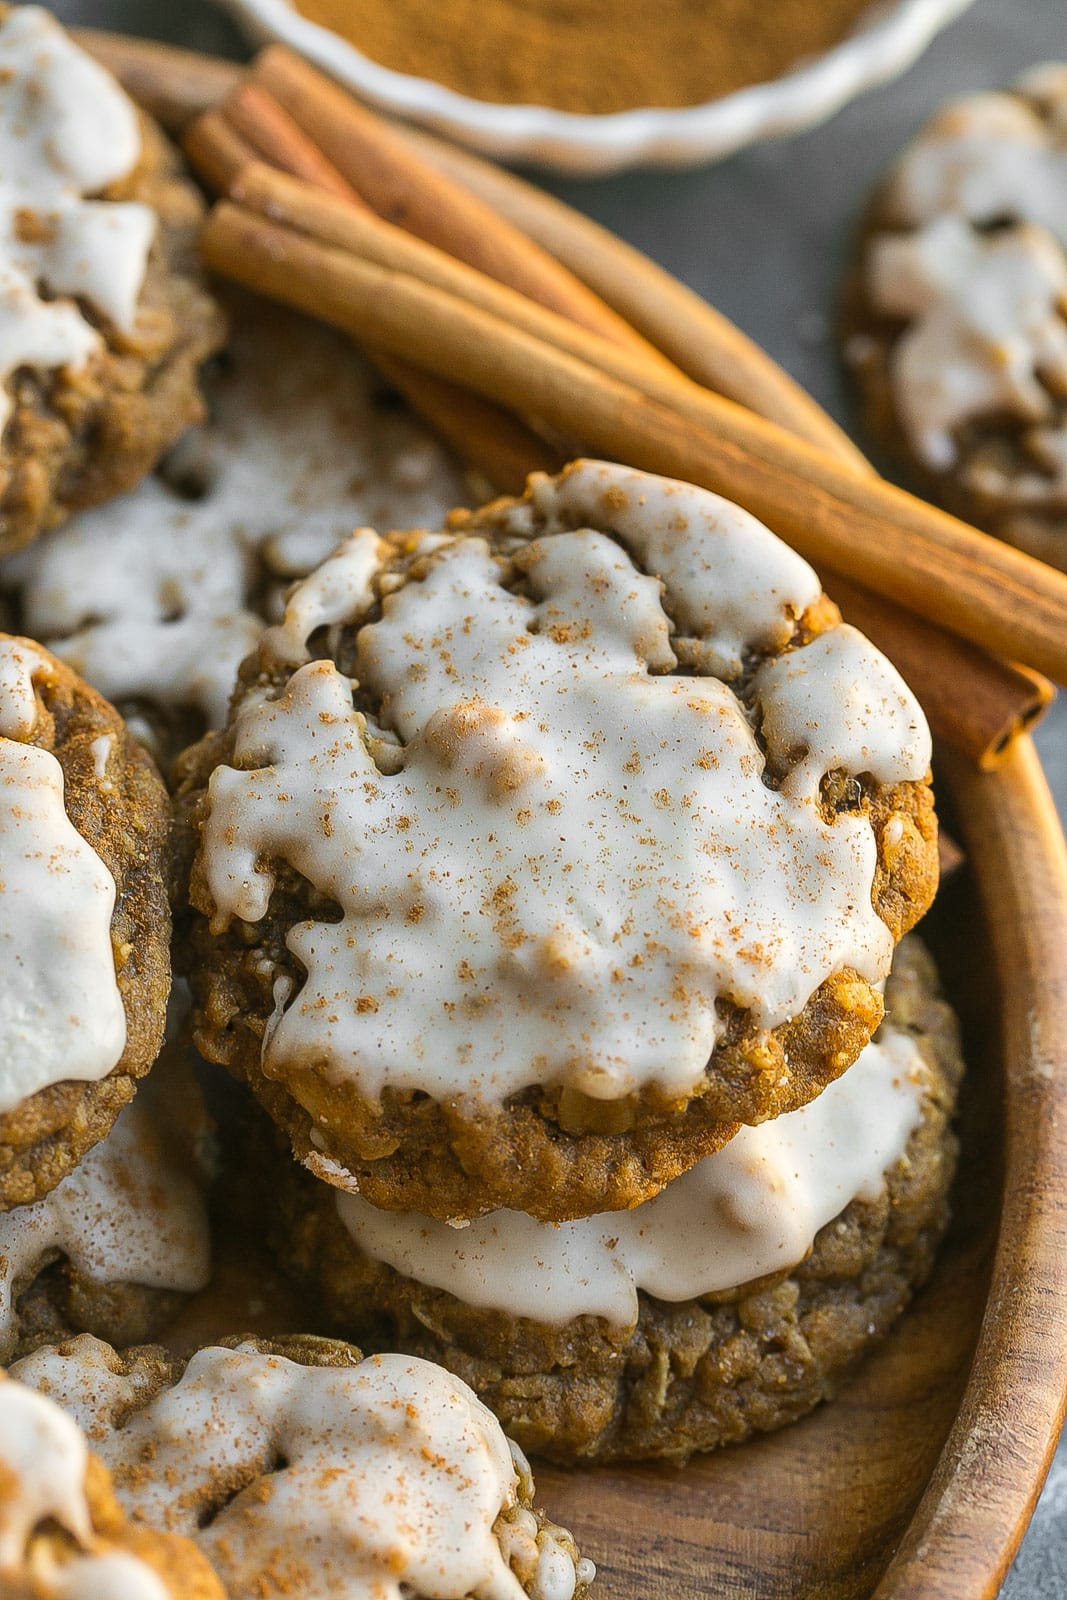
305,1469
558,781
67,132
84,919
749,1211
731,1303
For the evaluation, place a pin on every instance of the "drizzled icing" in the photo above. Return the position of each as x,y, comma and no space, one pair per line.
984,304
44,1458
66,131
392,1481
157,597
751,1209
129,1213
574,854
84,1376
43,1463
846,706
111,1575
61,1012
731,586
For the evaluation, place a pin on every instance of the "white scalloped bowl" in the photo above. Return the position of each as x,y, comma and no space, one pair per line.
885,44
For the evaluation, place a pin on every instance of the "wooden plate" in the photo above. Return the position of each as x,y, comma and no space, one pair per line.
918,1481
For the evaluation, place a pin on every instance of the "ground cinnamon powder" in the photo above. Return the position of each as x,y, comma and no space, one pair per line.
590,55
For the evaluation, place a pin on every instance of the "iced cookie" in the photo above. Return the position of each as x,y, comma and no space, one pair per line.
63,1535
157,597
84,919
104,319
116,1247
731,1303
301,1469
539,854
956,311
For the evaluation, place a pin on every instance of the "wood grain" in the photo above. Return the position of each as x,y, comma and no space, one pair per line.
918,1481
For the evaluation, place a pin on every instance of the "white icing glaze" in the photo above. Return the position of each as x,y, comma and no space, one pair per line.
985,311
158,598
848,705
574,855
986,320
102,748
19,665
109,1575
341,588
80,1375
43,1463
393,1473
129,1213
43,1458
61,1012
987,157
66,131
731,586
751,1209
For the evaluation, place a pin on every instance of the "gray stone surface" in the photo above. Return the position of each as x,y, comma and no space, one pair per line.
762,236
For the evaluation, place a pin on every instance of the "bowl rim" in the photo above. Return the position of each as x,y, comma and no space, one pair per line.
884,43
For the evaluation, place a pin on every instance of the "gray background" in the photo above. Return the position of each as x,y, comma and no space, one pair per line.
763,236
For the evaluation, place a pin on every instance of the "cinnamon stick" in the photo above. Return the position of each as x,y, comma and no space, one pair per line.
265,125
950,858
880,536
404,190
982,693
699,340
493,441
353,228
216,151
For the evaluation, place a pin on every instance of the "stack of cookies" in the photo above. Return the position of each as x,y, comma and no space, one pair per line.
546,882
293,1468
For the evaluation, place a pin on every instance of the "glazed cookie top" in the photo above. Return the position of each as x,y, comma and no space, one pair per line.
61,1011
552,831
67,131
45,1470
131,1212
746,1212
970,252
369,1480
297,454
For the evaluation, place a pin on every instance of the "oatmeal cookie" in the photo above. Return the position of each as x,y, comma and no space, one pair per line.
157,597
732,1303
296,1465
106,320
84,919
120,1243
955,312
541,853
63,1535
